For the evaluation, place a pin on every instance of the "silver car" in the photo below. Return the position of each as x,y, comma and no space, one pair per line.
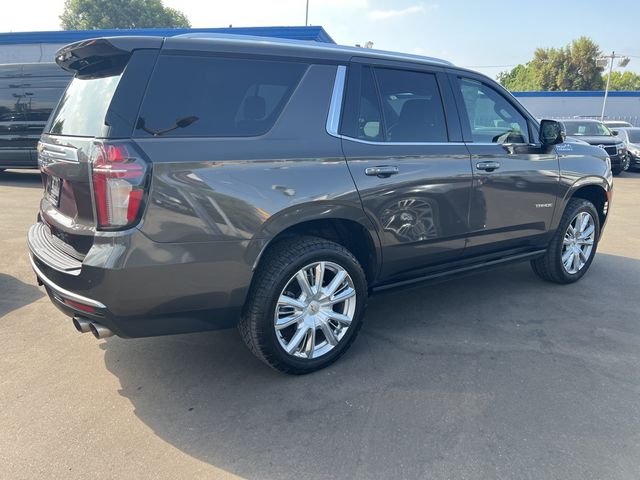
631,138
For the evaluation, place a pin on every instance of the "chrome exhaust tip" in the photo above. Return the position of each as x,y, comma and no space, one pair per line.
100,331
82,324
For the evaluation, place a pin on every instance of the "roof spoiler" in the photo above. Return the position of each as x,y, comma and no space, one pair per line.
99,57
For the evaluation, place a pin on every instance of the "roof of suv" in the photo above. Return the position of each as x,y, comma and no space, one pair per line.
85,55
198,41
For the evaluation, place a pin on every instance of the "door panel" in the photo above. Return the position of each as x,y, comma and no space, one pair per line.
514,204
402,142
515,180
420,212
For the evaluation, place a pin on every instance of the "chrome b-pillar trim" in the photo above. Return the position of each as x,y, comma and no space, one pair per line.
335,107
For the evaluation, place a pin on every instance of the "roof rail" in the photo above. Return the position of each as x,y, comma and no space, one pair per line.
313,45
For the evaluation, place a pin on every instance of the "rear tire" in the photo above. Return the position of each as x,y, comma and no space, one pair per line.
297,328
573,246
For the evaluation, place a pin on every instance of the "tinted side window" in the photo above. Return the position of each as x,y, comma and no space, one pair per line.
43,94
412,106
389,105
492,118
369,116
13,103
212,96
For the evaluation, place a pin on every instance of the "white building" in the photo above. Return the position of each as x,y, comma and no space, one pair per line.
620,105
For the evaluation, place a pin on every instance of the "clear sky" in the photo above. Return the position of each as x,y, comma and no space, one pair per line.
488,35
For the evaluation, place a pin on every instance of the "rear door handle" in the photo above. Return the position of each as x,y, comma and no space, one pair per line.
488,166
383,171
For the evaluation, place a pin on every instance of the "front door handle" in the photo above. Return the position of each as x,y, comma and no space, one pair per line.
382,171
488,166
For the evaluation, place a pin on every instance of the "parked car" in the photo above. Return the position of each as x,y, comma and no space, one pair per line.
631,138
28,93
201,183
611,124
598,134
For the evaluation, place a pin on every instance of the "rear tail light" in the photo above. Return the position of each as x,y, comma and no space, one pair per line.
119,179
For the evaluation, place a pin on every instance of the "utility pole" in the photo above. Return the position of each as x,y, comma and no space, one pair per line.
602,62
306,15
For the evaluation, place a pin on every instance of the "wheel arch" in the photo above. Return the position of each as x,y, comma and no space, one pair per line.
346,225
596,193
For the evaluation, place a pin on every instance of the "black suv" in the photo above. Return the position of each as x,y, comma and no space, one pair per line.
596,133
28,94
199,183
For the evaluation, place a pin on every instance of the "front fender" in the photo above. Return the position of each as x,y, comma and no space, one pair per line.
581,166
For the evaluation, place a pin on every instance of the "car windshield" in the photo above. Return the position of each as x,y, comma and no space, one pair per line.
587,128
634,135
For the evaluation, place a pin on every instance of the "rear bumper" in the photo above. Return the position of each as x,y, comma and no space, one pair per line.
62,293
138,288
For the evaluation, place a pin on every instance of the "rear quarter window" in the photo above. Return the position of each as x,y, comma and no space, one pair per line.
216,96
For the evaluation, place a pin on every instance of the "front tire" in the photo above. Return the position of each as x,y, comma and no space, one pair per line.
626,163
305,306
573,246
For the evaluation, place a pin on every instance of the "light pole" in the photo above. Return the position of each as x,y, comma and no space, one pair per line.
306,15
602,62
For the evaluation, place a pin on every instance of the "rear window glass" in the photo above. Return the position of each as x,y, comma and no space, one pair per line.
218,97
83,107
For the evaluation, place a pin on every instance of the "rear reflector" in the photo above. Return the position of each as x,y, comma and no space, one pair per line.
119,176
79,306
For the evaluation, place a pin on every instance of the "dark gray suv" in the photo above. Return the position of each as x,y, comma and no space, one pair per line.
28,94
200,183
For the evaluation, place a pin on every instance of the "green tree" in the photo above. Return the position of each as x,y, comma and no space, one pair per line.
623,81
519,79
567,68
98,14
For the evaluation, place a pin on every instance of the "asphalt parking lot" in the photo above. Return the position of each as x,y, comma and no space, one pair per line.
496,375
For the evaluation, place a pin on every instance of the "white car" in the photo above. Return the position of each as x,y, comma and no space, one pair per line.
617,124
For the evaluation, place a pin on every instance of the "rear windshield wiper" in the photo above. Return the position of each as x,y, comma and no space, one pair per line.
180,123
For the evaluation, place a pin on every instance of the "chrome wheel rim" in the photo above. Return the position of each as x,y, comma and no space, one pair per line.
578,243
315,310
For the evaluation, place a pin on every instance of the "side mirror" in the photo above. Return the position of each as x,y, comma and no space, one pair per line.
615,133
551,132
